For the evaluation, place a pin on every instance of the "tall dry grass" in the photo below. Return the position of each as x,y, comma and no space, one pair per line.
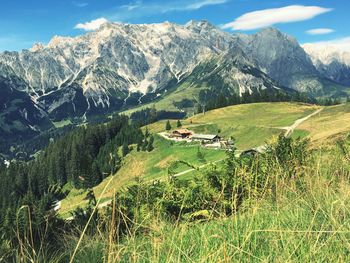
300,218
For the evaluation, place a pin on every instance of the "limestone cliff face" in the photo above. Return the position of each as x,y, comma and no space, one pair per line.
99,71
330,61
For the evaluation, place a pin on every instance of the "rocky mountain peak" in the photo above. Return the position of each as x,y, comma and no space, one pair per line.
280,56
199,25
58,41
102,69
275,35
37,47
331,61
327,54
270,31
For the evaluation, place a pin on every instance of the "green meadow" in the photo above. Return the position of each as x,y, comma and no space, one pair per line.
145,166
300,214
251,125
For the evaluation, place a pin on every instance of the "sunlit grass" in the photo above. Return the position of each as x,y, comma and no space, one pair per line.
329,124
145,165
60,124
307,219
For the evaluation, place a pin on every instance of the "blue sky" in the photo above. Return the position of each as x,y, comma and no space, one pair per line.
24,22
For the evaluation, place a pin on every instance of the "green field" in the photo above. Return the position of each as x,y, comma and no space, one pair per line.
290,204
60,124
147,166
184,91
251,125
330,124
301,218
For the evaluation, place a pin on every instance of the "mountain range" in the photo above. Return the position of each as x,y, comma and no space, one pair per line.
120,66
330,62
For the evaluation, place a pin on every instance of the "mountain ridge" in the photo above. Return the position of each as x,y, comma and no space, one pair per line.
121,65
330,61
74,59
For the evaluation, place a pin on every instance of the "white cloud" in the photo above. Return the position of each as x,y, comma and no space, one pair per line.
92,25
320,31
80,4
269,17
200,4
139,8
132,6
341,44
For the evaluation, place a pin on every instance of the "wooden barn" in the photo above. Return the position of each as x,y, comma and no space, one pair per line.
181,133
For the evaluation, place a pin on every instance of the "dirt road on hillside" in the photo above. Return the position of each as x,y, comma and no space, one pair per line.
290,129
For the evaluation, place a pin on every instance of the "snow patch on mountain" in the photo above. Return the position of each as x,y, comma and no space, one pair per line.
327,53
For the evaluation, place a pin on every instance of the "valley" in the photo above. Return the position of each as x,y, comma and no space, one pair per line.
251,125
254,222
170,142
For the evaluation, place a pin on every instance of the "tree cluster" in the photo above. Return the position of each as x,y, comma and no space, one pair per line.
151,115
81,158
211,99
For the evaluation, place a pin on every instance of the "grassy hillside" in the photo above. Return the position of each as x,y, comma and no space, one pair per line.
250,124
166,102
331,123
146,166
289,204
301,216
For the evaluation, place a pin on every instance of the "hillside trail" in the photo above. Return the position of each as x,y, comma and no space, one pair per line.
288,132
290,129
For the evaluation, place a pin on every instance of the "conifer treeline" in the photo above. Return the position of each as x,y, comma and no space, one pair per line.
83,158
151,115
210,99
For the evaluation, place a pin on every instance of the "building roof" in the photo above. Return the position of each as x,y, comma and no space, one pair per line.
258,150
204,136
182,131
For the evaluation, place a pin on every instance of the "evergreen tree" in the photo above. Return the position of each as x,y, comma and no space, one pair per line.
178,124
146,132
144,145
139,144
74,165
61,169
94,177
153,114
150,144
125,149
168,126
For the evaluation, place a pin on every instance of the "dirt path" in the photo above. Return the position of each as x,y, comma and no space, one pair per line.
290,129
200,167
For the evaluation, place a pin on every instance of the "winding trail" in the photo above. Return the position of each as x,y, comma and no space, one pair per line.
290,129
199,167
106,203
